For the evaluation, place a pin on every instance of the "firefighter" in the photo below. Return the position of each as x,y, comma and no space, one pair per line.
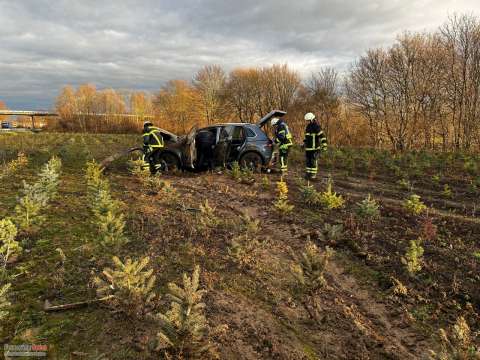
283,138
205,142
152,144
314,142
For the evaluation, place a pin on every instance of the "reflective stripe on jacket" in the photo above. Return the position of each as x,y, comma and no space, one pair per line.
283,137
315,138
152,138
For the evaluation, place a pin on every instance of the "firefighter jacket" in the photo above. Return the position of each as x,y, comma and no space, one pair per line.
315,138
283,137
152,139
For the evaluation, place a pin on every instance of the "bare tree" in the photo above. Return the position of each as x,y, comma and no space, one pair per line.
255,92
366,91
243,93
279,87
461,38
409,91
323,97
210,82
423,91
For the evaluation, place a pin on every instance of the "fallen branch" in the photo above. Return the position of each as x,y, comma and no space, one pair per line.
247,181
184,208
50,308
105,163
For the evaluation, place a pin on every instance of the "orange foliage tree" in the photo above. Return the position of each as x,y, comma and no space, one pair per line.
89,110
177,105
422,92
210,84
3,106
141,104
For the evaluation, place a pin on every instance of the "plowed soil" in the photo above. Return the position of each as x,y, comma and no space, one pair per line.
253,309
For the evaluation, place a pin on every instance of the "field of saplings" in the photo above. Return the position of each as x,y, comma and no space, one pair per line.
377,259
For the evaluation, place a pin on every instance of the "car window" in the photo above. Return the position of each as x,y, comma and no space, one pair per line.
224,133
250,133
238,133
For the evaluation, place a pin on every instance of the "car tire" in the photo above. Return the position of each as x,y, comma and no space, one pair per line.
169,162
251,160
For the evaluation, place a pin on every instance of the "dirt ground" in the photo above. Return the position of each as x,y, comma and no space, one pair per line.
359,320
357,323
253,309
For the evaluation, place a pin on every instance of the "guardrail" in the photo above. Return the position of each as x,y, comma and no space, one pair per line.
39,113
15,130
48,113
27,113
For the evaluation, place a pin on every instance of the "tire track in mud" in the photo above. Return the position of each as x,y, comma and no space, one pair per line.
373,317
383,334
358,189
391,191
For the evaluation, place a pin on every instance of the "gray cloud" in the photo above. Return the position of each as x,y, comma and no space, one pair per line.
128,44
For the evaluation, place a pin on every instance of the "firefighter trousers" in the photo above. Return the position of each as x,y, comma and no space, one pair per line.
152,158
283,155
311,161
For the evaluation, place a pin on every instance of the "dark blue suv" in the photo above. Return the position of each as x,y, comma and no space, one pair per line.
248,144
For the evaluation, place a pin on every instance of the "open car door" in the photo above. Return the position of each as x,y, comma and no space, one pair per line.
271,114
190,150
222,148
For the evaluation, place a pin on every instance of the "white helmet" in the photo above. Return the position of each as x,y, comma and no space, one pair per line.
274,121
309,116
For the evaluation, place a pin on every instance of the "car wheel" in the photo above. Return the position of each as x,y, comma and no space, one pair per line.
169,162
251,160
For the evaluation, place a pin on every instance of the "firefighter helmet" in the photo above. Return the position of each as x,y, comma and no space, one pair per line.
309,116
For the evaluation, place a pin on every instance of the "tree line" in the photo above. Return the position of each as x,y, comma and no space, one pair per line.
422,92
243,95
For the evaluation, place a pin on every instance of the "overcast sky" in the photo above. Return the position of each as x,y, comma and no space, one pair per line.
46,44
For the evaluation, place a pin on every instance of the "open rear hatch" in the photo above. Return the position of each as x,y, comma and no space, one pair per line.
270,115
